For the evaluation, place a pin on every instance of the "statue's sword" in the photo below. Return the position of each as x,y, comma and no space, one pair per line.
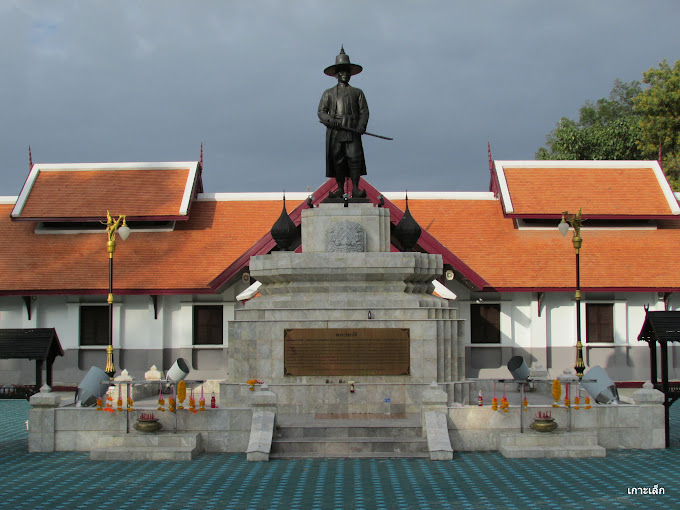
352,130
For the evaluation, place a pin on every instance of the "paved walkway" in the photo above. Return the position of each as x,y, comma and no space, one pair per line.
474,480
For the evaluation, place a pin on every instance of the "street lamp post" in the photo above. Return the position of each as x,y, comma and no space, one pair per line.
575,222
113,226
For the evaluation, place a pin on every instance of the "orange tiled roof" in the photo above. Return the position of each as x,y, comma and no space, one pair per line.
72,192
508,258
600,189
218,233
188,258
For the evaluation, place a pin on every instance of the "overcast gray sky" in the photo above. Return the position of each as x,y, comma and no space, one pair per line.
103,81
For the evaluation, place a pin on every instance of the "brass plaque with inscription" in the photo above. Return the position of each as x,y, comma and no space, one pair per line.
365,351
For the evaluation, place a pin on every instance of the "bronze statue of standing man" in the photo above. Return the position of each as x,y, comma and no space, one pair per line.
344,111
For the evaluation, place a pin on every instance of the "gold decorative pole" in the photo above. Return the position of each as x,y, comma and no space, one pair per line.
113,226
575,222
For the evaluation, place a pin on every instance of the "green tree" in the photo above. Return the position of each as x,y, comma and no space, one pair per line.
659,109
606,129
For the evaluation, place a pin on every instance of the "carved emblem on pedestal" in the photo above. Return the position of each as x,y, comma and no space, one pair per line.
346,236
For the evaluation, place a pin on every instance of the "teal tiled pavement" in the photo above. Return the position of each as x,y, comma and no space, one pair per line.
473,480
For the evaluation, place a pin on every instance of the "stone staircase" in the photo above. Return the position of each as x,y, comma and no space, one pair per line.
355,436
532,444
141,446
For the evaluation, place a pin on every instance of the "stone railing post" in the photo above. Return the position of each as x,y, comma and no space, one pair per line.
41,420
434,399
651,417
264,404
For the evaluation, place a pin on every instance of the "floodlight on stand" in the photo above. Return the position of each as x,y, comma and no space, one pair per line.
178,371
518,368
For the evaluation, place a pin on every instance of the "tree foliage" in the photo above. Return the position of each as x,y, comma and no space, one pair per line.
659,109
606,129
630,124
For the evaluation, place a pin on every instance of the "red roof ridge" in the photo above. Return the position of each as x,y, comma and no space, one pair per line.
426,241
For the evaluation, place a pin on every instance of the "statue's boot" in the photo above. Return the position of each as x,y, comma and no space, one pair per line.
355,167
356,192
340,191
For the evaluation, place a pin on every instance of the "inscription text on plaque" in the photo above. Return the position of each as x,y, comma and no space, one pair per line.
336,351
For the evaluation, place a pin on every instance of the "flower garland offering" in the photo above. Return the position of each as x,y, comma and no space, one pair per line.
556,392
99,404
161,400
192,402
587,403
494,400
119,403
109,403
181,393
525,404
566,395
201,402
504,404
171,400
130,402
252,383
577,401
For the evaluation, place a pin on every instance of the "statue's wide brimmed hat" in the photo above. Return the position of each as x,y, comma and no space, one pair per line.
342,60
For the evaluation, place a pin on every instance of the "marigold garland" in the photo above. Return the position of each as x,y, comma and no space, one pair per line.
504,404
181,393
577,401
556,392
109,404
587,403
494,404
252,383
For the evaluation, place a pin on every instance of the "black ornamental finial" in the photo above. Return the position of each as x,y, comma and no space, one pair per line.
284,230
407,230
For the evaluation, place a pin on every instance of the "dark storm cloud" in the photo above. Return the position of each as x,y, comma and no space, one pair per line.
150,81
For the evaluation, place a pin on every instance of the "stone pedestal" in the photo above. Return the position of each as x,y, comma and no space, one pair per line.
41,420
346,278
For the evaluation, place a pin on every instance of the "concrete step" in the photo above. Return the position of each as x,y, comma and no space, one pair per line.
533,452
532,444
140,446
355,455
351,445
556,438
143,453
328,431
356,436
